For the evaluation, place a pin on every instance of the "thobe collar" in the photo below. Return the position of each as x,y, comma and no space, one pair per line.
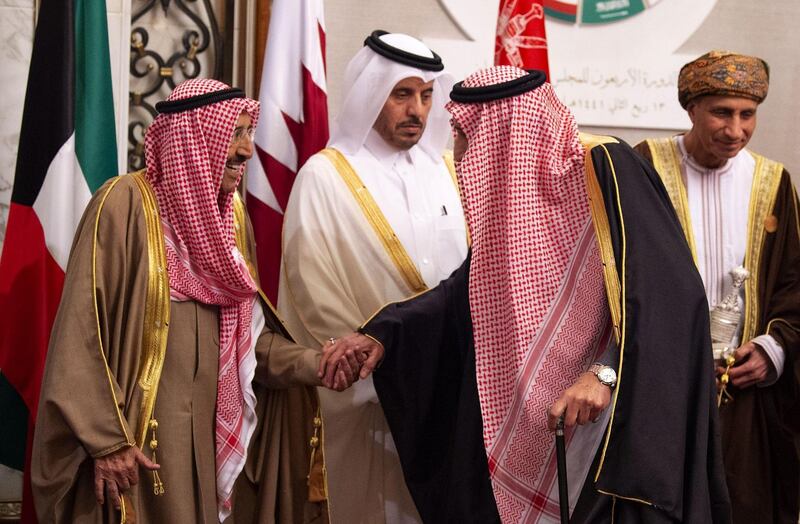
695,166
385,153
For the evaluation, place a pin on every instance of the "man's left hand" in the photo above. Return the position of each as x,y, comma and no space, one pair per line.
752,366
582,402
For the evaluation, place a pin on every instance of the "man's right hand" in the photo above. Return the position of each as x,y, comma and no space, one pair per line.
117,472
355,350
582,402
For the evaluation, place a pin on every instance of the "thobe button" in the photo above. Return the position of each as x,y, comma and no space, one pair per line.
425,261
317,422
314,442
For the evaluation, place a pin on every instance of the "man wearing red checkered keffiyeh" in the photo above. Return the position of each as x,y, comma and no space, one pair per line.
555,281
187,162
163,335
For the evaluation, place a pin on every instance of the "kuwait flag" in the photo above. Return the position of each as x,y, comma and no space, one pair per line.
293,123
67,149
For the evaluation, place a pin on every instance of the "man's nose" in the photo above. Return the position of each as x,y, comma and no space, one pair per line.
245,148
414,106
734,130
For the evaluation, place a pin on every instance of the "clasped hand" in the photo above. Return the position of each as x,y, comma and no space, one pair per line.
347,359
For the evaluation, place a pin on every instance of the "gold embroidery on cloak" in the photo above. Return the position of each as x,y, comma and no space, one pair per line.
156,311
766,179
602,231
394,248
667,163
615,286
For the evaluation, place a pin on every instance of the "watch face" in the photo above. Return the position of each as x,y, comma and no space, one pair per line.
607,376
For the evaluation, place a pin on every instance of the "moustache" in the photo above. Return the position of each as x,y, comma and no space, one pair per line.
236,160
413,121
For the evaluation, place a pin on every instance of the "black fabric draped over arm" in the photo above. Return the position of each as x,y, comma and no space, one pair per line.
663,447
427,387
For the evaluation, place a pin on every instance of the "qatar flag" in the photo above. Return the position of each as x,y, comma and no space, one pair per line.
293,124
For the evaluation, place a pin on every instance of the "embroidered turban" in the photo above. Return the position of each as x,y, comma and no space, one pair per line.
723,73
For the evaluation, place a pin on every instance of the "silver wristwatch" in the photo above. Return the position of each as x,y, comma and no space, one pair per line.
605,374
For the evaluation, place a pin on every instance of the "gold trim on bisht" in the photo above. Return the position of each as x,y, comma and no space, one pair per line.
394,248
766,179
156,322
157,308
667,163
602,232
589,143
97,312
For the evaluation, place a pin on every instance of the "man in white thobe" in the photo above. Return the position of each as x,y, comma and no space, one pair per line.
737,207
374,218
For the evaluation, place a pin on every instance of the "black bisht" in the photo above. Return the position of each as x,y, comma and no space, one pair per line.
664,445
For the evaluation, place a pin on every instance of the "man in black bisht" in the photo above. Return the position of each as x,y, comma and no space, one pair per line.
586,308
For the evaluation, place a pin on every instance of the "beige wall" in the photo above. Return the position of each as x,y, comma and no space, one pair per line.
765,28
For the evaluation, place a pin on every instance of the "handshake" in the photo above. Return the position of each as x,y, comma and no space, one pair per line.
345,360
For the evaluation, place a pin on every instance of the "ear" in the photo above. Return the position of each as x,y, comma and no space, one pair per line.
691,110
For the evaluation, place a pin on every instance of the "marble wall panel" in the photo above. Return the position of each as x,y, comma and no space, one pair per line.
16,43
17,3
119,29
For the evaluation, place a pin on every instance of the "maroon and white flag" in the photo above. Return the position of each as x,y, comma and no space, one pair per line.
293,124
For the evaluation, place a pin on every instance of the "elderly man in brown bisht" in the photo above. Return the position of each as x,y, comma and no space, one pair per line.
162,345
739,213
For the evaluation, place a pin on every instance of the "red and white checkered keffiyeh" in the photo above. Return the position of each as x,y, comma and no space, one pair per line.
536,287
186,154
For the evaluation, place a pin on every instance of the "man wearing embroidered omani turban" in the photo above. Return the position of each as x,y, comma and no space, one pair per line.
162,345
738,208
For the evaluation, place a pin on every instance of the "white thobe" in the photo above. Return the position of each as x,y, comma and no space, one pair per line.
418,198
337,273
719,199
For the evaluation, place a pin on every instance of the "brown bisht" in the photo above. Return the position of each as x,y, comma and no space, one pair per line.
96,388
761,425
661,459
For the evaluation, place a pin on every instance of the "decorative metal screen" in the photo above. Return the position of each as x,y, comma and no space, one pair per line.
171,41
